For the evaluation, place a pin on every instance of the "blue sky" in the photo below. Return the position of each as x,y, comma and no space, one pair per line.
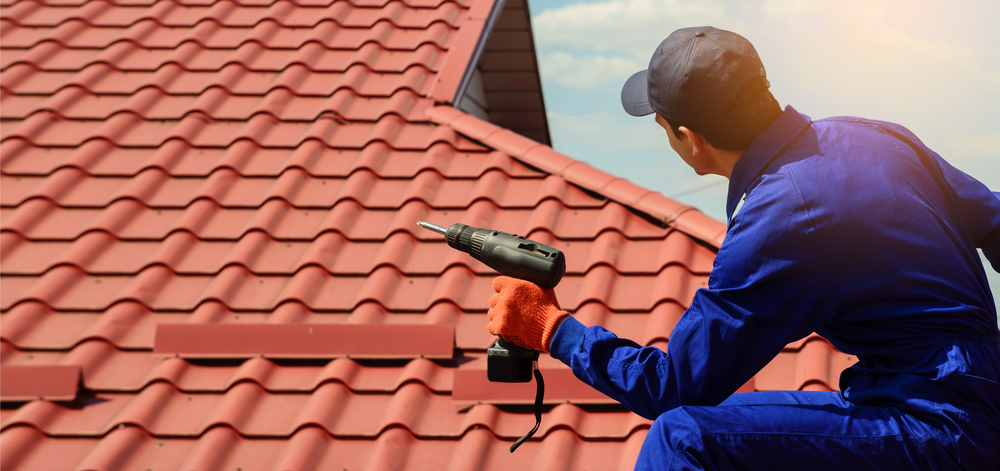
931,66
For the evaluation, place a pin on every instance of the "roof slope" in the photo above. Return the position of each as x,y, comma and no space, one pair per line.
210,257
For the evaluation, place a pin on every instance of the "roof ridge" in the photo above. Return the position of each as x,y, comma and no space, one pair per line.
684,218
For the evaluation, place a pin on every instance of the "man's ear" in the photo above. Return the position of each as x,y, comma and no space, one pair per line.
698,142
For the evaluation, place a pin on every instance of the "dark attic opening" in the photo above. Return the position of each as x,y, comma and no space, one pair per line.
502,84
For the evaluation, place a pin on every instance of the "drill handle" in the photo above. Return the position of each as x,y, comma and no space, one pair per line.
521,258
526,260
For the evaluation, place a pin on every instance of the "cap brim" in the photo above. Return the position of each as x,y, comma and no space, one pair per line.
635,97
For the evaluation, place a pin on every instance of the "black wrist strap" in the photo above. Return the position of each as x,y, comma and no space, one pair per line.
539,394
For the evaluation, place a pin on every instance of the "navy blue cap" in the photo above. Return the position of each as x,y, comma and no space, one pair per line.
693,77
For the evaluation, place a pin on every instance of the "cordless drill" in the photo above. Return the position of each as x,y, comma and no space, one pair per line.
516,257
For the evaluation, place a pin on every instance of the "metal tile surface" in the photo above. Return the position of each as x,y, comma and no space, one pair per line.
260,164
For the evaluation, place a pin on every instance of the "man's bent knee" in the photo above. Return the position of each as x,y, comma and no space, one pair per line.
675,441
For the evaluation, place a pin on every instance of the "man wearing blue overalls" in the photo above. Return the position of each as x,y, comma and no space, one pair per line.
848,227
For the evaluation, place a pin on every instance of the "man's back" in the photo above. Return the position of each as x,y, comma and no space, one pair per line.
893,242
886,231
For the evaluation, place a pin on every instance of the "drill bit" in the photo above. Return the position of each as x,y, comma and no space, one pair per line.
432,227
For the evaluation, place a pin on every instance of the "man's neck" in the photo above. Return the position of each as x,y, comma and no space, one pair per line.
726,161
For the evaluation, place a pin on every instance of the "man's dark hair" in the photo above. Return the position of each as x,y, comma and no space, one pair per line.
752,111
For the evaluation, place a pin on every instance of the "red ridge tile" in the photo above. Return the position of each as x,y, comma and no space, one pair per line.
512,143
473,127
547,159
589,177
443,114
626,192
702,227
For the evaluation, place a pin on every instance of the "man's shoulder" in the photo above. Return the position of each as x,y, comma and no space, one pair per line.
858,143
856,124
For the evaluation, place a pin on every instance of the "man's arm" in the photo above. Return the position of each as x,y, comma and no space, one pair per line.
979,206
764,292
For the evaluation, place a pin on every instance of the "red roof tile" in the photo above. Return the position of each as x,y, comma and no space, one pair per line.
259,165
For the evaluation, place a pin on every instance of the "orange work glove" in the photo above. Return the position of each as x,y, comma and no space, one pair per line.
523,313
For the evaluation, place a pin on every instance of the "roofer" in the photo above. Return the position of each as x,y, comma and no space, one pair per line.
848,227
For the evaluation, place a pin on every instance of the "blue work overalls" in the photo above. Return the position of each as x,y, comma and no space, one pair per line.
855,230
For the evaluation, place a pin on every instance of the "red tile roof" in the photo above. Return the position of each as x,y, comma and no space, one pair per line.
179,176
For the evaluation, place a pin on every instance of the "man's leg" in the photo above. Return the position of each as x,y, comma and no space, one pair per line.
791,430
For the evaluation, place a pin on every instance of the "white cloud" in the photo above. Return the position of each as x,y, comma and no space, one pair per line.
631,27
606,130
579,72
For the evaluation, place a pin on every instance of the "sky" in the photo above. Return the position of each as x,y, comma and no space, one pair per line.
931,66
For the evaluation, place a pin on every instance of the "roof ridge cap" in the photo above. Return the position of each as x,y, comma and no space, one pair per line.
684,218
